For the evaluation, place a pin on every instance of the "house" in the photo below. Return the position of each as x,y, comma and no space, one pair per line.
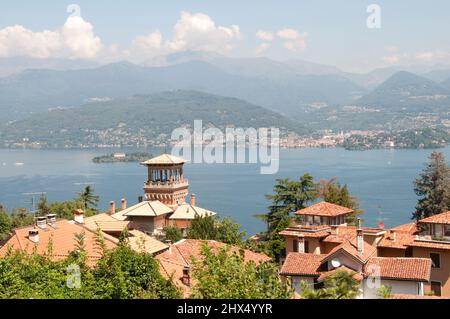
397,254
428,238
164,203
176,262
62,236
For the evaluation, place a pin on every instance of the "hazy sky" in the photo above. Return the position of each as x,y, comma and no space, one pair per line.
329,32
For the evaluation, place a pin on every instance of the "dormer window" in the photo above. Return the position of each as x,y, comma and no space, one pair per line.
447,230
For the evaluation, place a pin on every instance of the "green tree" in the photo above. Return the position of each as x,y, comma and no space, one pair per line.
88,198
385,292
125,274
289,196
333,192
172,233
43,206
340,285
225,274
433,187
5,224
21,217
213,228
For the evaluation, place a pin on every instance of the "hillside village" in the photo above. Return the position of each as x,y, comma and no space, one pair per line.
410,260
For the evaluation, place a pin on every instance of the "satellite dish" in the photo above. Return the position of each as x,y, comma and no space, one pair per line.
335,263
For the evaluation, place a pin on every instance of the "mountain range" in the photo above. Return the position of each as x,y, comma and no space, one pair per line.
296,89
140,118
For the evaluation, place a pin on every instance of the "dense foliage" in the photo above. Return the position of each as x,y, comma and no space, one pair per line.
433,187
226,275
121,273
340,285
333,192
212,228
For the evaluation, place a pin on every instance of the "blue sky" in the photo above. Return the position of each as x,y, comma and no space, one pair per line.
329,32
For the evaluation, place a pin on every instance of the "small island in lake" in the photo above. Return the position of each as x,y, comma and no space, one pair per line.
122,157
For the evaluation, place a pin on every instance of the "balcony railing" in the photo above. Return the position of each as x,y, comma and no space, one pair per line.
166,184
430,238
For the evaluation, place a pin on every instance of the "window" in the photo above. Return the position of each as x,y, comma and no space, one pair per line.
435,260
436,288
306,246
409,252
295,246
447,230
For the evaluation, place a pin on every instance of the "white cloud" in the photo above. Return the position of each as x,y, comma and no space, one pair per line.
294,40
199,32
75,39
264,36
262,47
79,38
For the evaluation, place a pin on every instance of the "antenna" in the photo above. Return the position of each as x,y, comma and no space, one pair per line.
32,201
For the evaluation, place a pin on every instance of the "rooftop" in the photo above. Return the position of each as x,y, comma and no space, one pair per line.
443,218
165,159
145,208
187,211
417,269
324,209
62,236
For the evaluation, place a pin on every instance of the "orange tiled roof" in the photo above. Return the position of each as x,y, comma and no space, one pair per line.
298,232
351,249
443,218
63,239
430,244
173,261
401,241
302,264
341,234
418,269
324,209
324,275
409,228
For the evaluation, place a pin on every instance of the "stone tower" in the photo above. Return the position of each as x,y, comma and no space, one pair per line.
166,181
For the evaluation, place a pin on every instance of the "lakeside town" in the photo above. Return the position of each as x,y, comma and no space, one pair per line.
166,246
424,138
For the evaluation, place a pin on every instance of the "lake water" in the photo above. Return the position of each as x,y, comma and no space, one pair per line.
381,180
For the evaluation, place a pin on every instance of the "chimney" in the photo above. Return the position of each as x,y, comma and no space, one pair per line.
78,216
169,243
124,203
192,201
112,207
140,199
360,238
51,219
33,235
393,236
186,276
41,222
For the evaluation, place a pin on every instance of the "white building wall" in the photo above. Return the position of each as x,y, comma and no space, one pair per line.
370,290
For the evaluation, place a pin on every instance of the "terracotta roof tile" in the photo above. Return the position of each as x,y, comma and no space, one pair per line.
302,264
62,237
324,209
417,269
324,275
443,218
